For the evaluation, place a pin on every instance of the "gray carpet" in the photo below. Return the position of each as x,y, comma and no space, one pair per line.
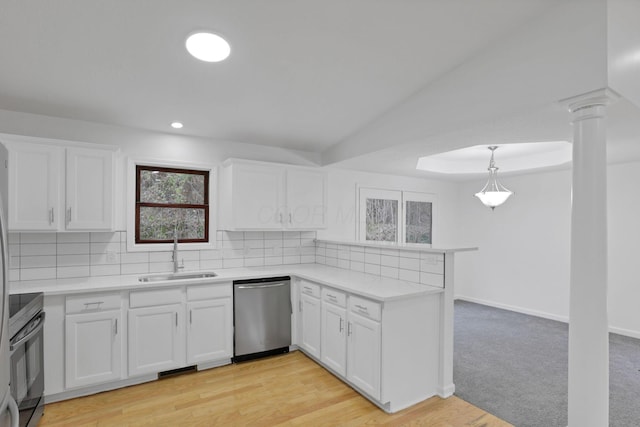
515,367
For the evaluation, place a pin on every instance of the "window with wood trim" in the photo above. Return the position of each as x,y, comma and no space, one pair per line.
171,202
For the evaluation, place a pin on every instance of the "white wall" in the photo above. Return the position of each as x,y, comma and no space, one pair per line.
523,261
342,208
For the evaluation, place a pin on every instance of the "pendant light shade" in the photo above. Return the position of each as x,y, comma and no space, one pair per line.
493,194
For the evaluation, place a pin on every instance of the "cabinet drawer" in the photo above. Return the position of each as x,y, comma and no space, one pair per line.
334,297
310,289
155,297
92,302
365,307
196,293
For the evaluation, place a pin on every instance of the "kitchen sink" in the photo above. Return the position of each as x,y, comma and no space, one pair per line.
162,277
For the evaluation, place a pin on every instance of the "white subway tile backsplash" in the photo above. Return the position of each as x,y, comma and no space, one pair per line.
210,254
14,275
391,272
307,259
210,264
332,262
409,275
369,250
37,273
331,253
409,263
372,258
357,256
321,260
134,268
105,259
254,262
292,251
431,279
73,238
13,238
134,257
160,257
254,235
389,261
357,266
291,259
105,270
188,256
37,238
102,247
73,271
232,263
274,260
273,235
38,261
343,263
160,267
105,237
372,269
35,249
73,248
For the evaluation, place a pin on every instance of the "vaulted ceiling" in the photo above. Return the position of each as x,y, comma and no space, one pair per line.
368,84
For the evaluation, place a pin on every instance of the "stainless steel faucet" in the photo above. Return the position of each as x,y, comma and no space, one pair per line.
176,267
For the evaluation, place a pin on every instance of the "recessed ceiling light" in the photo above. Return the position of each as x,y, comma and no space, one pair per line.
176,125
208,47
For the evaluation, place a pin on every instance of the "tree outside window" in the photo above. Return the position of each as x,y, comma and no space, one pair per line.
171,202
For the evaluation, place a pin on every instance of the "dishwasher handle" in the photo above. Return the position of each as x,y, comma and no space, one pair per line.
275,285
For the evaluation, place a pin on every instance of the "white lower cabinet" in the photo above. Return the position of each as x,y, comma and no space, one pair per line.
333,348
310,318
156,339
388,351
363,354
93,348
209,334
93,339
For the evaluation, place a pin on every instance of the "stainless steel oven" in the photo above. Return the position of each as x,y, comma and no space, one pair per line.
26,320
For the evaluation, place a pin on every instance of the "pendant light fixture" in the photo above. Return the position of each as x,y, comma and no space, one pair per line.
493,194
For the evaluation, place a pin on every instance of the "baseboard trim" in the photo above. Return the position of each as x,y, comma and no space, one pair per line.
517,309
446,391
564,319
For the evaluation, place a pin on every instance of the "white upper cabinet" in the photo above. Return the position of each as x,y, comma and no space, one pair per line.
270,196
53,187
34,186
89,189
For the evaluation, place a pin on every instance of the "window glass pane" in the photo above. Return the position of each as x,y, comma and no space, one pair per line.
160,223
171,187
418,222
382,220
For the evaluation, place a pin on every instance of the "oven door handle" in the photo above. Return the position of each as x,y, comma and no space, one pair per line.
30,334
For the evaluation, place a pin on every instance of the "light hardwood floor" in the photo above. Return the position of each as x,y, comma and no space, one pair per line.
288,390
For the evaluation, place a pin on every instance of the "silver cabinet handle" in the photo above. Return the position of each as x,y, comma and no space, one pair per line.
115,328
190,317
176,318
68,214
300,306
361,308
341,327
87,305
290,218
50,216
349,328
280,217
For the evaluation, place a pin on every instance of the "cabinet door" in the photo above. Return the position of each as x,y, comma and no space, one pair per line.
310,319
156,339
334,344
258,196
306,198
209,334
363,354
34,186
93,347
89,189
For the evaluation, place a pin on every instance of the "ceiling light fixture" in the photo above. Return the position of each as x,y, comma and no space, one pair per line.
493,194
177,125
208,47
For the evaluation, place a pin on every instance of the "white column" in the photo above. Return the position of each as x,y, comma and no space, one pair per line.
588,323
446,387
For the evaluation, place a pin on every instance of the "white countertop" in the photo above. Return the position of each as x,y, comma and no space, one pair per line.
367,285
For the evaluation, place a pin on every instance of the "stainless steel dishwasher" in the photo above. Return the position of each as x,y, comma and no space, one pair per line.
261,317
